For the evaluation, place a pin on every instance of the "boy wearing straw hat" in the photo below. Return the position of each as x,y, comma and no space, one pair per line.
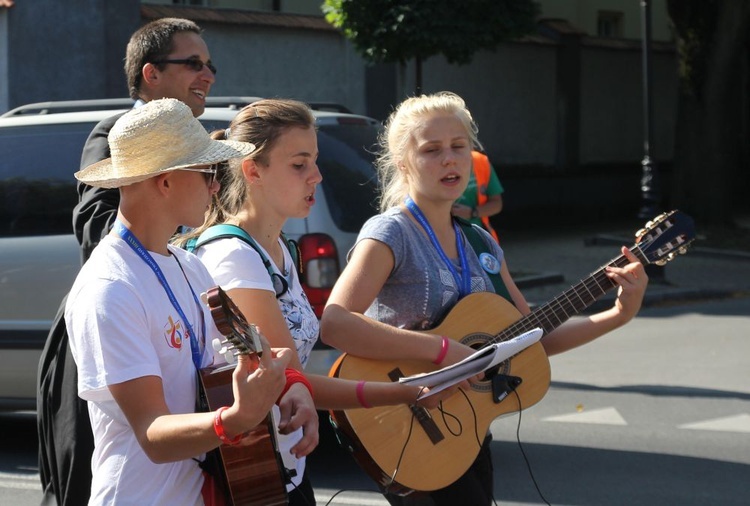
138,331
63,429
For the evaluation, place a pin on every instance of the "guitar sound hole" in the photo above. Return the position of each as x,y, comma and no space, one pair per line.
477,340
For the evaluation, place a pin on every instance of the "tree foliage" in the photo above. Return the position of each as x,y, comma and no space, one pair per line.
389,31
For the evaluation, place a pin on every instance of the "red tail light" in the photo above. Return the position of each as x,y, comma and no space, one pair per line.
320,268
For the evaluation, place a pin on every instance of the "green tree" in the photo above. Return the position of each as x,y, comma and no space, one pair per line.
397,31
713,119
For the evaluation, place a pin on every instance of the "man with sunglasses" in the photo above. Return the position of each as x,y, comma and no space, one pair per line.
166,58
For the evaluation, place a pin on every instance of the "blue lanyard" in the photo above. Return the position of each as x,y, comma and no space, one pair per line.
136,245
463,281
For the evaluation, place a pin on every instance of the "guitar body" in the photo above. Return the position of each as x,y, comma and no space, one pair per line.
407,448
251,472
251,469
436,456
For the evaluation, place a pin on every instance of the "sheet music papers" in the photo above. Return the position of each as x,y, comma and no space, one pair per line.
485,358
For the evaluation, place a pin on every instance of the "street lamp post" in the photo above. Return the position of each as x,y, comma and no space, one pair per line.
650,187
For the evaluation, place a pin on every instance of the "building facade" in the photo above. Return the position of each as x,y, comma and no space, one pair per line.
560,111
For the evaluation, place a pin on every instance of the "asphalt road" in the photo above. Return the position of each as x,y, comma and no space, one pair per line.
656,413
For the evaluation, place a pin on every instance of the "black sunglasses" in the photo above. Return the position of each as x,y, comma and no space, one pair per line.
194,64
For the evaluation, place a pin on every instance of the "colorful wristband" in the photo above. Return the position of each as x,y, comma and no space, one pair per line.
361,395
294,376
443,351
219,428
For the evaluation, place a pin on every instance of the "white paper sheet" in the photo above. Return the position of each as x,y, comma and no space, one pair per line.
483,359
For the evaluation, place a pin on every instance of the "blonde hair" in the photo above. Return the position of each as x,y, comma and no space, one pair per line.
396,141
261,123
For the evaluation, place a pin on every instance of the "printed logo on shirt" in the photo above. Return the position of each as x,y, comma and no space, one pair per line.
174,333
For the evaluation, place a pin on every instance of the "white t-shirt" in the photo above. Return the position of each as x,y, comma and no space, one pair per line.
235,264
123,326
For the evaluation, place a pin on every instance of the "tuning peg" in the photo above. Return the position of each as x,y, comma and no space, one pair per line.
640,233
227,352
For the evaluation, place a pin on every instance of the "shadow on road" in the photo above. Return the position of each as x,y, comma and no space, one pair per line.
593,477
19,443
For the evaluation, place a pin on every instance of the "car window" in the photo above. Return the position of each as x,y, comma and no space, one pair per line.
346,162
350,182
212,124
37,186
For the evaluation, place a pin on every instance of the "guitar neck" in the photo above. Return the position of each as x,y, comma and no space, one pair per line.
570,303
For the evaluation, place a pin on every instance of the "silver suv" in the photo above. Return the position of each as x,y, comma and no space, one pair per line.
40,149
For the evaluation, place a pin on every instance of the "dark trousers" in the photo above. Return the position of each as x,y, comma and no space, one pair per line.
303,495
66,442
473,488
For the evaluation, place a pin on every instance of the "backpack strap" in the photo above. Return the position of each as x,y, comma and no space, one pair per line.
479,245
225,231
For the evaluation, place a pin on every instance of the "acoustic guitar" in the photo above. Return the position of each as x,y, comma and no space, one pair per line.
251,472
411,448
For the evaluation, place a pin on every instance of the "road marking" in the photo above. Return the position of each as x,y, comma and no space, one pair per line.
604,416
363,498
20,481
737,423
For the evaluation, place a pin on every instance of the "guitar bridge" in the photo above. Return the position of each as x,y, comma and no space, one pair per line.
422,415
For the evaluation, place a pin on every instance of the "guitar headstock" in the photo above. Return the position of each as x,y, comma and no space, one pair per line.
664,237
240,335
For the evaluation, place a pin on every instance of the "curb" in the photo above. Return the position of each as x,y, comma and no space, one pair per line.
660,298
608,240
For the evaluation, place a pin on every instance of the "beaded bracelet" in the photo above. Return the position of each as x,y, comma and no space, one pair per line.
219,428
443,351
361,395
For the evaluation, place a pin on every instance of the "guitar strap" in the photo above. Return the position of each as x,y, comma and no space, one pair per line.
224,231
479,245
502,384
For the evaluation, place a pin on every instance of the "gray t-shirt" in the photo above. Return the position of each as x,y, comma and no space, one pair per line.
420,290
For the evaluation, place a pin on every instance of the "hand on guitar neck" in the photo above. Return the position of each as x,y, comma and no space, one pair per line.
257,382
250,472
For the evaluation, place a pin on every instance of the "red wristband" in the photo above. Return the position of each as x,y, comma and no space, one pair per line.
361,395
443,351
294,376
219,428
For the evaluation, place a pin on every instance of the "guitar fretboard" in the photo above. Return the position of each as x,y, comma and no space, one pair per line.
570,303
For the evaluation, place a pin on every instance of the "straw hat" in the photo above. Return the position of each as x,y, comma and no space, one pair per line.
160,136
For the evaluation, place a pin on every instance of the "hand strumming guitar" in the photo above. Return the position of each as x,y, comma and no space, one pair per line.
298,410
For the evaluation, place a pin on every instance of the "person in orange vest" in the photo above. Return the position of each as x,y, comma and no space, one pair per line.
483,196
